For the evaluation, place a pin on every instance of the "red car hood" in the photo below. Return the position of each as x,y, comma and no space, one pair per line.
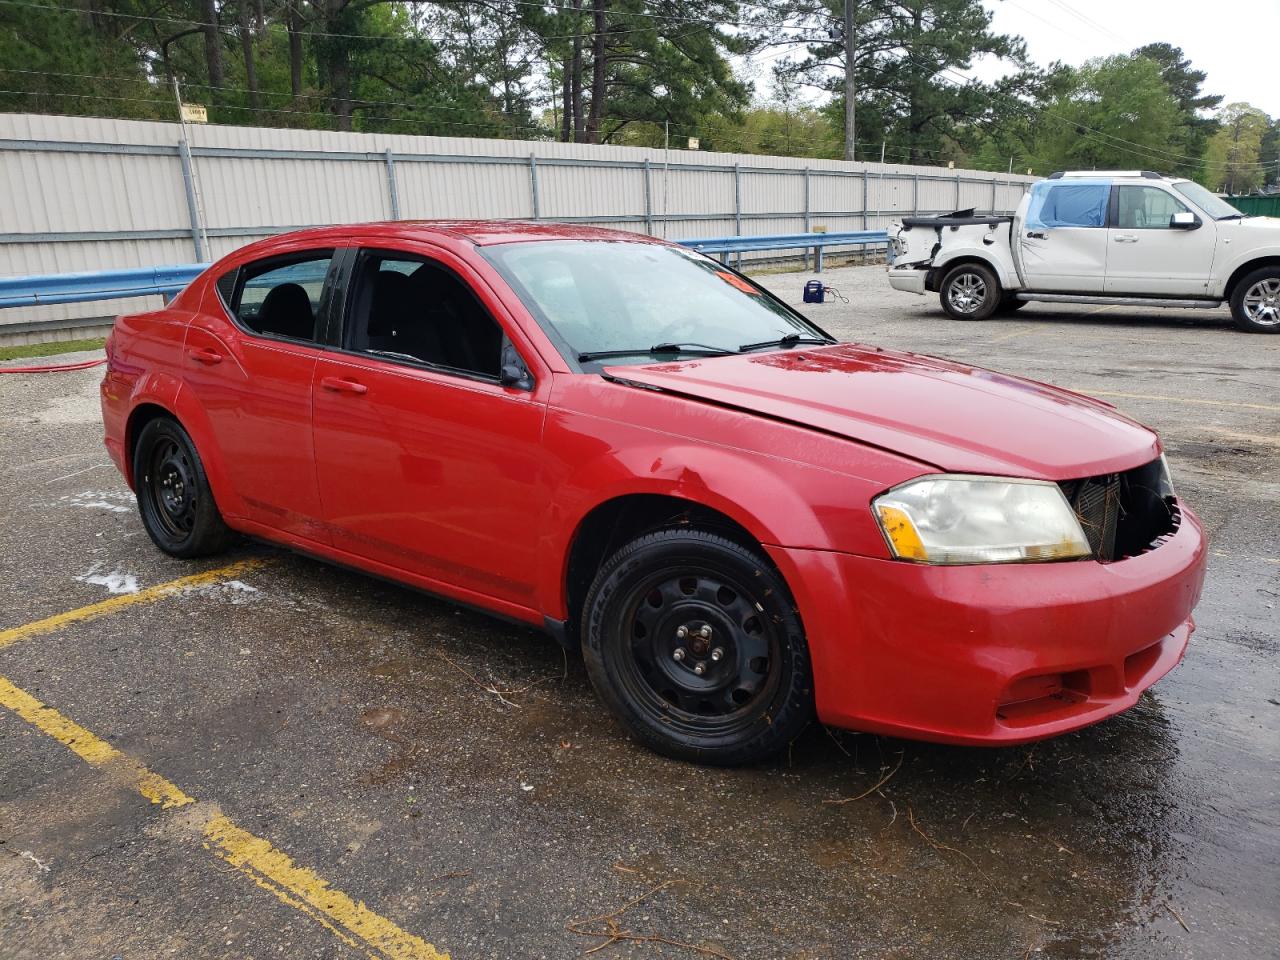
958,418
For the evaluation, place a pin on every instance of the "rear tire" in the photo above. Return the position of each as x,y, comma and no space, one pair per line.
970,292
1255,302
695,645
173,493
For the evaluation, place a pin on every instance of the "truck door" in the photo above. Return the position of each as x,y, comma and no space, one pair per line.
1149,252
1061,241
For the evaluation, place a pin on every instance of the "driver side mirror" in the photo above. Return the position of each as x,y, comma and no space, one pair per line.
512,372
1184,220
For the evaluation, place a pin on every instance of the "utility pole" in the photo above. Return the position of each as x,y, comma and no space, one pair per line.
850,87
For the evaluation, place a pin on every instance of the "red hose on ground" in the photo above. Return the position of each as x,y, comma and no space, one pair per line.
56,367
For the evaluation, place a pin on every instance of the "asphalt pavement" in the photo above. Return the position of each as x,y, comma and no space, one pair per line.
274,758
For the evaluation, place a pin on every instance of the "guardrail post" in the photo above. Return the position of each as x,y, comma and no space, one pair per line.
533,185
807,225
737,205
393,193
193,208
648,197
817,263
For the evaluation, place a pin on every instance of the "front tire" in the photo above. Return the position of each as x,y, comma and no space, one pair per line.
173,493
1255,303
970,292
695,645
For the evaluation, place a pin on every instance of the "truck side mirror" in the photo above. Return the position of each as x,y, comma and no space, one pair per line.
1184,220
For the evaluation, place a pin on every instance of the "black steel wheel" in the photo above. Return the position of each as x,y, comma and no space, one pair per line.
970,291
173,492
694,643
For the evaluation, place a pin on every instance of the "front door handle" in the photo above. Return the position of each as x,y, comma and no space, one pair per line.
205,355
341,385
1126,238
1036,235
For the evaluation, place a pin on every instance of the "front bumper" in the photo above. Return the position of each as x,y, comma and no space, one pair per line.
907,278
992,654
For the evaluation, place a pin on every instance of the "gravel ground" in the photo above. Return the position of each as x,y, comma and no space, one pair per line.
456,775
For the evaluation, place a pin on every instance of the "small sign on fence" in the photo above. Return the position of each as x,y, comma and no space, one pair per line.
194,113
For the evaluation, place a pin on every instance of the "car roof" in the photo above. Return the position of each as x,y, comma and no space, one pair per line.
1111,175
478,232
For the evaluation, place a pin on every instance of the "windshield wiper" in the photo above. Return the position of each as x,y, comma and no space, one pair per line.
658,349
790,340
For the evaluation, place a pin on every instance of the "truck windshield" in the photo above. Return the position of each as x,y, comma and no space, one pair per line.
634,301
1210,203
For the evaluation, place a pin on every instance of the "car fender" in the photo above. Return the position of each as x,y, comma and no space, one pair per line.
996,256
776,506
167,391
1243,262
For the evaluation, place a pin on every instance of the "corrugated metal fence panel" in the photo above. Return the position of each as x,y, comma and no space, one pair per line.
1257,206
86,188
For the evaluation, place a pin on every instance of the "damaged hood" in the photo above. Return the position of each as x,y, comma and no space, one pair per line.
954,417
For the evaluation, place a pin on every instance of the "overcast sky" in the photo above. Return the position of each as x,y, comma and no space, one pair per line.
1233,41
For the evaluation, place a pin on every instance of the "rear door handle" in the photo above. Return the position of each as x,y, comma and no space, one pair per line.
205,355
340,385
1126,238
1034,235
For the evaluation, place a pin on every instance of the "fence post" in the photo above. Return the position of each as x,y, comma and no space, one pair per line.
957,206
533,185
915,194
808,225
737,205
993,194
648,197
864,201
193,208
393,192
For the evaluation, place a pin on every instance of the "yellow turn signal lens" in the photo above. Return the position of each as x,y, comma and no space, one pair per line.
901,533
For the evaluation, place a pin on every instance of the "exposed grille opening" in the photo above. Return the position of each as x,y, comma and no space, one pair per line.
1125,514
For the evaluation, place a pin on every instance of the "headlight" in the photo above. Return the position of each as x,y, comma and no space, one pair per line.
947,518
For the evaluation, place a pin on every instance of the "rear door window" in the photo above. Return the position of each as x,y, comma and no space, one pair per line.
281,297
1066,203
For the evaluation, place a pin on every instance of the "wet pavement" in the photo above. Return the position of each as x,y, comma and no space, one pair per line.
455,774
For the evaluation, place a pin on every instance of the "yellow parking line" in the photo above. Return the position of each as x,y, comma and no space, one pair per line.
1210,403
253,857
60,620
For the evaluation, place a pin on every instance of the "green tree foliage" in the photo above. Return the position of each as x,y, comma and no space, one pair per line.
1115,112
905,58
1235,151
1185,83
475,67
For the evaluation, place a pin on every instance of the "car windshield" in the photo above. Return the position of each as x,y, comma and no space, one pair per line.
626,299
1210,203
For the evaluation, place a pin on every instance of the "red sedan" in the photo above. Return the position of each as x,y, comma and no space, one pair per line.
740,522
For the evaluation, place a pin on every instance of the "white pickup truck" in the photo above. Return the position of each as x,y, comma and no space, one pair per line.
1132,237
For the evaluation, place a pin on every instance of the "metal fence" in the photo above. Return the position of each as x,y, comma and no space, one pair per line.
1257,206
84,194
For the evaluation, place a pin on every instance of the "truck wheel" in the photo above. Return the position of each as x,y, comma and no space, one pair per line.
1255,303
970,292
695,645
